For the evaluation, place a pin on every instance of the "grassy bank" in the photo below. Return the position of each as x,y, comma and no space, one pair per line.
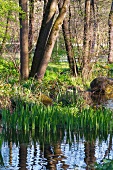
23,104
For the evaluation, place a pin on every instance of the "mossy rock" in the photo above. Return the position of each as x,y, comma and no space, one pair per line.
109,89
102,84
46,100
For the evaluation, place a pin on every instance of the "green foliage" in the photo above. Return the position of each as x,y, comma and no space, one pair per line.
98,71
31,116
59,51
7,10
8,5
5,89
107,164
27,117
66,110
97,121
8,71
103,69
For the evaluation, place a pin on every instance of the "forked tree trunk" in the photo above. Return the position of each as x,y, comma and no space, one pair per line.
48,16
110,56
24,61
51,40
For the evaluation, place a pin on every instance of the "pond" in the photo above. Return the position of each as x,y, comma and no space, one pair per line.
73,147
63,150
109,104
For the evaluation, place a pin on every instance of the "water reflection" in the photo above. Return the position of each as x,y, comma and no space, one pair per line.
109,104
63,150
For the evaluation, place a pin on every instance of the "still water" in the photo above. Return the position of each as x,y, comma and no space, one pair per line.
61,151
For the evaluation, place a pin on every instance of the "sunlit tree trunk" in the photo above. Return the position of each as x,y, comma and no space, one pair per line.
24,70
97,30
93,29
86,41
31,25
48,16
68,44
47,38
76,29
51,40
110,56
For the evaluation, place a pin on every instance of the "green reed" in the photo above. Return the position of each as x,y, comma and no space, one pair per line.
38,117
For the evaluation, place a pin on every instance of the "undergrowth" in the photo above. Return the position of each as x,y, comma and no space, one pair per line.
22,103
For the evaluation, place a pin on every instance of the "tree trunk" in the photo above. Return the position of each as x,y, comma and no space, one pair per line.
31,25
69,47
86,42
51,40
48,16
110,56
24,70
93,29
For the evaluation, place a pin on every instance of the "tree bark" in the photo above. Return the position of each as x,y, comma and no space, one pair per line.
86,41
24,61
51,40
48,16
110,23
31,25
93,29
69,47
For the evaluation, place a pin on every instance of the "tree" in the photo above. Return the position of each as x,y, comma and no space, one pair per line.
48,16
93,28
69,46
40,68
31,25
86,42
24,60
110,23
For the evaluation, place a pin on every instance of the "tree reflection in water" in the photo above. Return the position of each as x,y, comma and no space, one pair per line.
22,156
89,149
63,150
